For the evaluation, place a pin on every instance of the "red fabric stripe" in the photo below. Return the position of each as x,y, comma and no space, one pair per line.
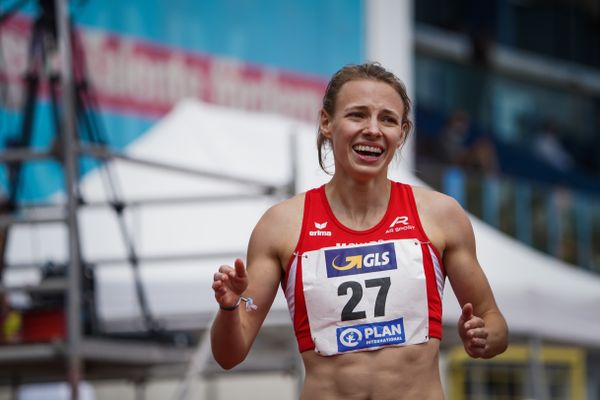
301,325
433,297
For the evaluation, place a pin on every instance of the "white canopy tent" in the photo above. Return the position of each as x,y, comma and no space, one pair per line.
539,295
213,217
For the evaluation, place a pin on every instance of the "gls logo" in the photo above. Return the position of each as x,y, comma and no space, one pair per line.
360,259
369,260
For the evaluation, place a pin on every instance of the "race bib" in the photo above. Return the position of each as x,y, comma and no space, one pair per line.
364,297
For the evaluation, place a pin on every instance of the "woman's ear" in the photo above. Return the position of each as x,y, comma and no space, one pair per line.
325,124
405,129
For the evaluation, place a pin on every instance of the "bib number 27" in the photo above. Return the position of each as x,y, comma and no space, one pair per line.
349,312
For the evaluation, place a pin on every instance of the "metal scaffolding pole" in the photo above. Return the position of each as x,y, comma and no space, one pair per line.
68,136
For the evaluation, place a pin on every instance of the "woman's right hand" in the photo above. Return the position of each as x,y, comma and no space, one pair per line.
230,283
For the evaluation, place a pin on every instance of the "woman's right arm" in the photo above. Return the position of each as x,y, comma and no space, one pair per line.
233,332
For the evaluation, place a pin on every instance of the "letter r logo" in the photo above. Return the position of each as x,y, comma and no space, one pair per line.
400,220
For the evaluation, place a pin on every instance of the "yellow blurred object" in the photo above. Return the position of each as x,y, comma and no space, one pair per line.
11,326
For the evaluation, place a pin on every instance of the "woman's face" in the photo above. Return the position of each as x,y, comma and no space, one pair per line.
365,129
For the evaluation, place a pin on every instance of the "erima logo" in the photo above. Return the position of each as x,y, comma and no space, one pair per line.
360,259
320,231
321,226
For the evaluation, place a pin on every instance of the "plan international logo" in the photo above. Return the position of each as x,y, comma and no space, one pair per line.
370,335
361,259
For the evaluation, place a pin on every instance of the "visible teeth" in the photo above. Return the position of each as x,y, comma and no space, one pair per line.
370,149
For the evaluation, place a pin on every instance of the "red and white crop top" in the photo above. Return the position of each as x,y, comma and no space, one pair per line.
353,290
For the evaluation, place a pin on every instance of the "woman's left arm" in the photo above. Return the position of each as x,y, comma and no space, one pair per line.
481,326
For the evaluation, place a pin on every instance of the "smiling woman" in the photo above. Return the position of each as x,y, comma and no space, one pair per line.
374,109
369,74
365,288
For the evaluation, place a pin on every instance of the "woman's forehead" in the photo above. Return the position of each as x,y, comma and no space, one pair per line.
369,92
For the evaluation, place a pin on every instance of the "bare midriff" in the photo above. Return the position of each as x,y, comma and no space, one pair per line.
392,373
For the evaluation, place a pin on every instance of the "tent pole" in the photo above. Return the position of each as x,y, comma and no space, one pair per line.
538,389
68,135
197,365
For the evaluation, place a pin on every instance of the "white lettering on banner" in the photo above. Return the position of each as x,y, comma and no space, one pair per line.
14,44
265,92
121,71
144,77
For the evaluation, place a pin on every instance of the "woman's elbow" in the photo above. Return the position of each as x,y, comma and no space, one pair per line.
227,359
227,364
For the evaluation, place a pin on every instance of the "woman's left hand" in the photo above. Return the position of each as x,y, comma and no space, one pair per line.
473,332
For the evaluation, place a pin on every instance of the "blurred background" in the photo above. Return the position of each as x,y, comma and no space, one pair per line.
141,140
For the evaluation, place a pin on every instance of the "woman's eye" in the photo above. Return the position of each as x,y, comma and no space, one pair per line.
356,115
390,120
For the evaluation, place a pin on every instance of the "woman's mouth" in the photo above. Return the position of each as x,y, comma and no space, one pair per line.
368,151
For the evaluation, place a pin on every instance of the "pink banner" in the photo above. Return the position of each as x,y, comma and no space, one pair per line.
136,76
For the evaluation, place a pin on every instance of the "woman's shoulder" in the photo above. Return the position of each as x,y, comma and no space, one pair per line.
286,208
436,204
279,227
442,217
282,217
433,197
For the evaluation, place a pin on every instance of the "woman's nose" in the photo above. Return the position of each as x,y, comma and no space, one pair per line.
372,127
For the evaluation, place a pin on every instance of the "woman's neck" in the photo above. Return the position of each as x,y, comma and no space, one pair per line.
358,205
